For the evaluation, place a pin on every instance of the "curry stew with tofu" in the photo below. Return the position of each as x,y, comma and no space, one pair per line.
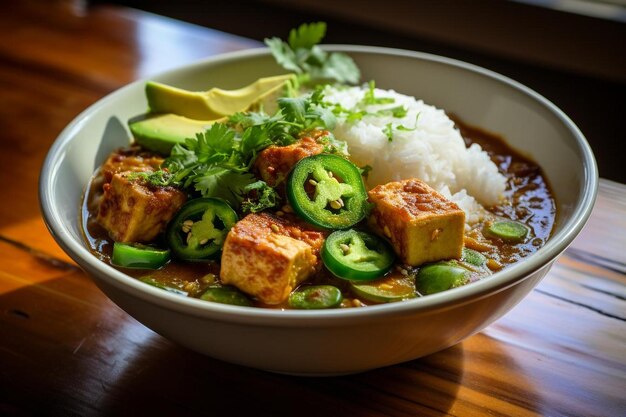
326,242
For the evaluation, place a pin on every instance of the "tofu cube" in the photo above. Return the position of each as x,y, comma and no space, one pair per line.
268,256
422,225
132,211
275,162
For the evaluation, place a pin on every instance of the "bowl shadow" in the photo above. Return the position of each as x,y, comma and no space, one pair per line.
167,379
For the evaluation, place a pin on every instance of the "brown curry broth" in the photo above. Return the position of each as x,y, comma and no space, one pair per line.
528,199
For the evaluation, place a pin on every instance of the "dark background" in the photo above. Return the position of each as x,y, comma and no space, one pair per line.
576,61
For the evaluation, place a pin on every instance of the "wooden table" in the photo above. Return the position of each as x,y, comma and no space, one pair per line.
65,349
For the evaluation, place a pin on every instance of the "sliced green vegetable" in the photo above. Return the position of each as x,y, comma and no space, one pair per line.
315,297
160,132
356,255
386,290
216,102
226,295
508,230
473,257
439,277
327,191
197,232
151,281
138,256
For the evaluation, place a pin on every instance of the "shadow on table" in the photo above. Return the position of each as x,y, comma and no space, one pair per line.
71,357
176,381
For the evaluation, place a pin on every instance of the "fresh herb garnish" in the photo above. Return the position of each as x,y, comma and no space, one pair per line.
365,170
160,178
388,131
369,98
398,112
389,127
302,55
259,196
217,162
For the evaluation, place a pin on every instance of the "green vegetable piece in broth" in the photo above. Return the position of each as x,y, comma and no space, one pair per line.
508,230
138,256
355,255
473,257
315,297
151,281
386,290
198,230
226,295
439,277
327,191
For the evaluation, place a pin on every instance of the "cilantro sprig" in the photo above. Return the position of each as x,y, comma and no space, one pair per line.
302,55
218,161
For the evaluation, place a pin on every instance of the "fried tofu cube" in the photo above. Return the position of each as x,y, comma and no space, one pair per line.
275,162
422,225
131,159
268,256
133,211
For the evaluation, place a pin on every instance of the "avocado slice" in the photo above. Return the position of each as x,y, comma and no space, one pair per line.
215,103
160,132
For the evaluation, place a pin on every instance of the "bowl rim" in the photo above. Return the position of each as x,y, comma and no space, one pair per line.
508,277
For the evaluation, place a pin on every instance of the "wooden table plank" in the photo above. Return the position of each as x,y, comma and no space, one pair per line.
65,349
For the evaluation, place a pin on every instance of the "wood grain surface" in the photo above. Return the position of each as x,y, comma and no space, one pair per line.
65,349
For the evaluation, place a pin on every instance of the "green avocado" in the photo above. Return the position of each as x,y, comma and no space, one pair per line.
215,103
160,132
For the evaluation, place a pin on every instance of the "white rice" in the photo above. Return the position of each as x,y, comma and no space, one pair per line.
432,150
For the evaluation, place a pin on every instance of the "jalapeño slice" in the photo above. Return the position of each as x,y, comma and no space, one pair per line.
315,297
439,277
356,255
226,295
138,256
327,191
198,230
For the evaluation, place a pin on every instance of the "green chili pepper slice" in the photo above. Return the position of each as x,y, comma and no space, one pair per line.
327,191
386,290
473,257
138,256
315,297
508,230
356,255
197,232
439,277
226,295
151,281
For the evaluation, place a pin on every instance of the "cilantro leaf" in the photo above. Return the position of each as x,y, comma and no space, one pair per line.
260,196
217,162
388,131
370,99
339,67
223,183
398,112
284,55
160,178
307,36
302,55
254,139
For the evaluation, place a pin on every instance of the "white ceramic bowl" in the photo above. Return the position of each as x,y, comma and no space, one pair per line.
343,340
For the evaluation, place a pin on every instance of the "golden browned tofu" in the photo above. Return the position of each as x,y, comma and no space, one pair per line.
129,159
275,162
422,225
132,211
268,256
